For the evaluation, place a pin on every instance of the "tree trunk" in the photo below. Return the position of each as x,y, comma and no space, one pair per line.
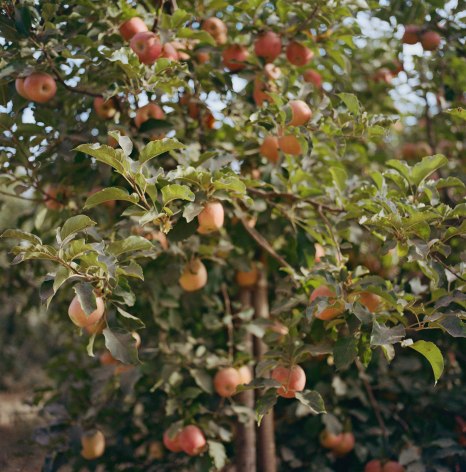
245,460
266,458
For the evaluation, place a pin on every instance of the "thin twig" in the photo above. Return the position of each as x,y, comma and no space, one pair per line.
445,266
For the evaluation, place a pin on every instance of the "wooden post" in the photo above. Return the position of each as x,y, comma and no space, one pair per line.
245,440
266,456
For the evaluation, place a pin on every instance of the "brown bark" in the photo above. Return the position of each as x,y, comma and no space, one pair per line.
245,440
266,456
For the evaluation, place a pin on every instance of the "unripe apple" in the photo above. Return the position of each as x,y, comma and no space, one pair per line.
192,440
151,110
337,307
79,317
194,276
131,27
40,87
330,440
346,444
411,34
289,144
313,77
247,278
272,71
234,57
245,374
268,45
373,466
211,217
300,113
172,443
269,149
147,46
393,466
105,109
297,54
93,444
216,28
320,252
292,380
170,52
430,40
226,380
19,85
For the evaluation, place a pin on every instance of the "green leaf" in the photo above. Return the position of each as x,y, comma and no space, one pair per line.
217,453
265,403
86,297
156,148
75,224
401,167
202,379
122,346
108,194
457,112
124,142
90,345
176,192
351,102
339,177
230,183
115,158
200,35
427,166
433,354
23,235
312,400
344,352
129,244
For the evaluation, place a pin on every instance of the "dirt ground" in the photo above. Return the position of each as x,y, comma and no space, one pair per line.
18,453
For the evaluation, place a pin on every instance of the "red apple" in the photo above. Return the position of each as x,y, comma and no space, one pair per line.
54,196
194,276
151,110
105,109
147,46
300,113
19,84
131,27
211,217
169,51
172,443
346,444
330,440
292,380
272,71
216,28
289,144
297,54
373,466
411,34
40,87
79,317
313,77
336,307
269,149
192,440
268,45
234,57
430,40
226,380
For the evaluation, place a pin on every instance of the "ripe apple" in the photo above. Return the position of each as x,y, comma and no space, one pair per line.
411,34
269,149
93,444
40,87
268,45
226,380
19,85
169,51
211,217
247,278
151,110
297,54
370,300
289,144
131,27
300,113
79,317
54,196
258,93
430,40
336,306
147,46
272,71
245,374
192,440
172,443
313,77
373,466
216,28
330,440
383,75
96,328
346,444
292,380
105,109
393,466
194,276
234,57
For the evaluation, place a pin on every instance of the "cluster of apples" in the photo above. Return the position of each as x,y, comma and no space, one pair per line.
190,440
292,380
337,306
39,87
227,380
340,444
377,465
93,444
430,40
